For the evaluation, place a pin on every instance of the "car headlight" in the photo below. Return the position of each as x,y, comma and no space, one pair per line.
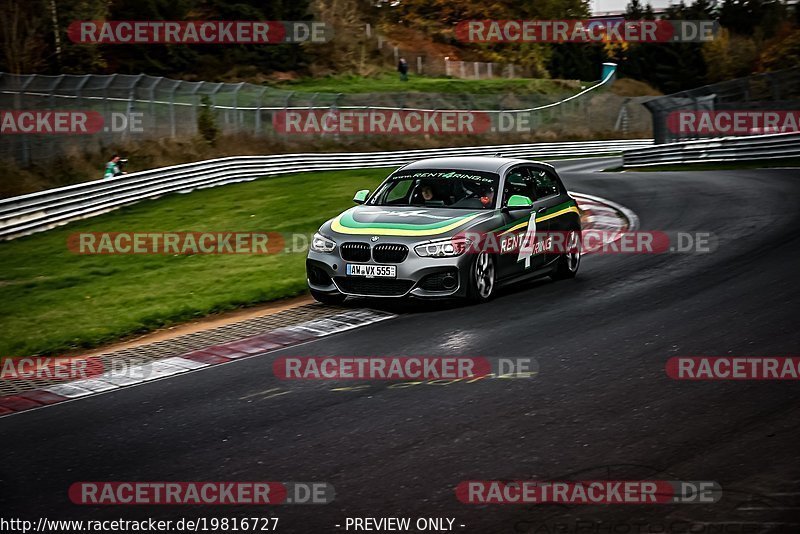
320,243
446,248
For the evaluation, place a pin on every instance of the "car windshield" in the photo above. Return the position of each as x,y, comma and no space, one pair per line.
439,188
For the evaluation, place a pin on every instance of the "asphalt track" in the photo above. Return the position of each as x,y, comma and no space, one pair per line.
601,407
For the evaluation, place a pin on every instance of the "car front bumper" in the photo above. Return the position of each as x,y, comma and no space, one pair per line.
416,276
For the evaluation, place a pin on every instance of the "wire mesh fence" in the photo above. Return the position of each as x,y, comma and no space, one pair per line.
773,91
167,108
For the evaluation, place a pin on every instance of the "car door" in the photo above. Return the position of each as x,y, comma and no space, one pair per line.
548,194
519,225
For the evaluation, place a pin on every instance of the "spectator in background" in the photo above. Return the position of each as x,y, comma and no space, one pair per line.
402,68
112,167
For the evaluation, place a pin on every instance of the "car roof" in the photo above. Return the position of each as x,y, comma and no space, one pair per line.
469,163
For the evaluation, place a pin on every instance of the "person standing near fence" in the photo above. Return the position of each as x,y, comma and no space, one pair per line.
402,68
112,168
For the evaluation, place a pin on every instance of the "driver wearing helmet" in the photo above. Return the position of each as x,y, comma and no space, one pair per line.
487,197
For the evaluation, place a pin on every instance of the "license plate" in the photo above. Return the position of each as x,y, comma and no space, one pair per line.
371,271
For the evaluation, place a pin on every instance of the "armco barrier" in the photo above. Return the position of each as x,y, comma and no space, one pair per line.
40,211
718,150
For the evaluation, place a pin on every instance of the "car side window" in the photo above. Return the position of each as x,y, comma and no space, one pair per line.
519,182
544,183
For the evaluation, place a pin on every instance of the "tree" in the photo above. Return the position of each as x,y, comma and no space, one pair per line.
75,58
783,53
347,51
729,56
577,61
634,11
439,18
21,29
207,122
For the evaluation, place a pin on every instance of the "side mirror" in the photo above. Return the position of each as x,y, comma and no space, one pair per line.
519,201
361,196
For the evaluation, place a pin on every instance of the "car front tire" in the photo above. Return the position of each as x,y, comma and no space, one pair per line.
482,278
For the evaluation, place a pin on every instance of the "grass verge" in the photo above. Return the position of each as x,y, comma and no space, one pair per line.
52,300
392,84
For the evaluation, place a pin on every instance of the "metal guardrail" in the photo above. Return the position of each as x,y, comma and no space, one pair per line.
40,211
718,150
